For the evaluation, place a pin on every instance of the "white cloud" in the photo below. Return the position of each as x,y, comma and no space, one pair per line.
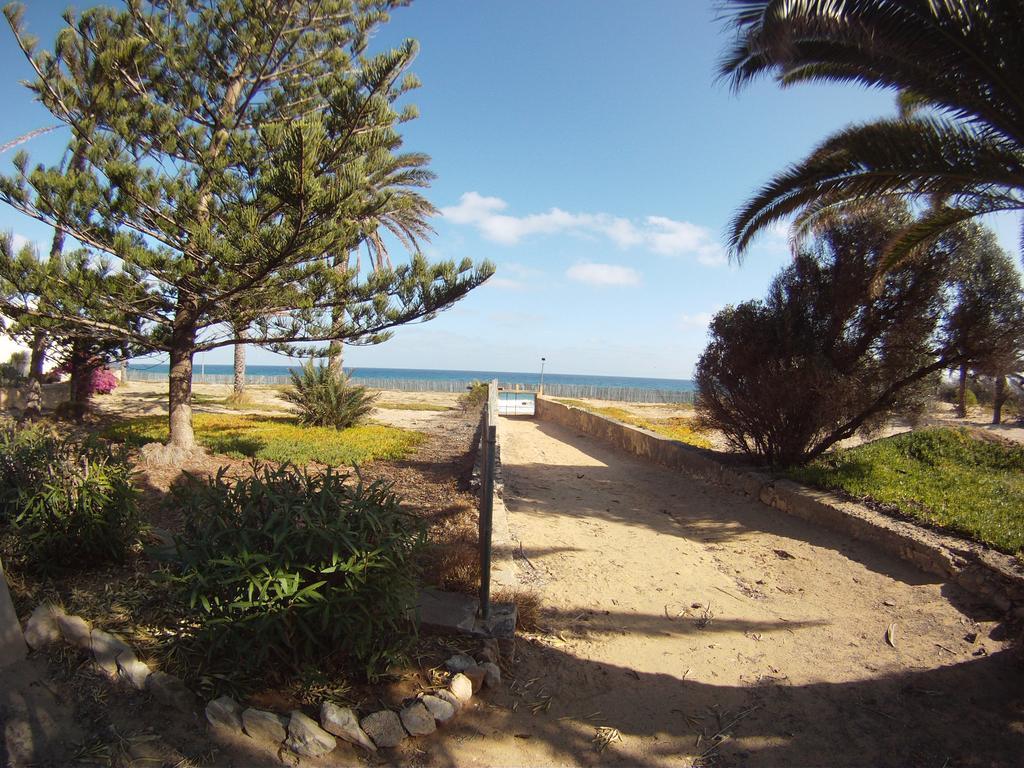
19,242
603,274
698,320
658,234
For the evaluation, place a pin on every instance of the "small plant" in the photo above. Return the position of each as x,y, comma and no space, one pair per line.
284,566
475,397
325,398
69,504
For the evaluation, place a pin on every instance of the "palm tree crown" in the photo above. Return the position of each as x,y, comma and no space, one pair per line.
961,60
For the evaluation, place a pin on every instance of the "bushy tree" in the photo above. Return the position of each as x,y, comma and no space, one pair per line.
230,151
825,355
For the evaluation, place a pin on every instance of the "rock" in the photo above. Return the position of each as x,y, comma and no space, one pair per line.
460,662
307,738
384,727
461,687
225,712
41,628
440,709
417,719
342,721
446,695
170,691
105,650
76,631
265,726
131,669
476,676
492,674
485,655
491,644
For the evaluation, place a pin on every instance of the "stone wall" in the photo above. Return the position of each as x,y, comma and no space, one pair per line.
53,395
992,576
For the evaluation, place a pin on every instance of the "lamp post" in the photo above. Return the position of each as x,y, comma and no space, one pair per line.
540,390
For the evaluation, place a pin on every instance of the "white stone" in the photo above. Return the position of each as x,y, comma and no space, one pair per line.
461,688
133,670
342,721
307,738
446,695
265,726
384,727
41,628
225,712
417,719
440,709
105,650
76,631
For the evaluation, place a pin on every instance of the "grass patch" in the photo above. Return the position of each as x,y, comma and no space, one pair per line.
412,407
942,477
278,439
675,428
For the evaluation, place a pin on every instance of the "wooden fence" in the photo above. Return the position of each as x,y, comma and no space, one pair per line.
623,394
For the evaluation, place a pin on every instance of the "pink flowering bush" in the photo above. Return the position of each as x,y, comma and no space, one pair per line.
103,381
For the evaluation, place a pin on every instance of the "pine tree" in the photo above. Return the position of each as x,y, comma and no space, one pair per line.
232,151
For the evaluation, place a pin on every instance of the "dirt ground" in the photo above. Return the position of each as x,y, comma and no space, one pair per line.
707,628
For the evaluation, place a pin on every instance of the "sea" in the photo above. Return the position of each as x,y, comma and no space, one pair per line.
426,374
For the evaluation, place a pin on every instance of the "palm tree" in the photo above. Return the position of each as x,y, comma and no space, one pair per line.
961,149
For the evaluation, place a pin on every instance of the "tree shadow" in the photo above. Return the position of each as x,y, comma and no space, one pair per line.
966,714
621,488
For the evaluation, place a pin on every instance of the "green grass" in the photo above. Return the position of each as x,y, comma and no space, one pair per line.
412,407
942,477
278,438
675,428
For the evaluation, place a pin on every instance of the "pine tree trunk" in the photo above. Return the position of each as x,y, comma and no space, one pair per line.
336,358
1000,398
961,397
39,346
239,370
183,339
81,378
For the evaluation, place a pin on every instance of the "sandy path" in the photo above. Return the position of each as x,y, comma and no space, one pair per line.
677,610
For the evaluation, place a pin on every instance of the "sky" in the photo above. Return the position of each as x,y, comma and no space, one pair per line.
587,150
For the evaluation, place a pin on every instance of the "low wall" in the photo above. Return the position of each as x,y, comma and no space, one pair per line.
993,576
53,395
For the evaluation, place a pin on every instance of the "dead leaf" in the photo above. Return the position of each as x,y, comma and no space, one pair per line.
890,635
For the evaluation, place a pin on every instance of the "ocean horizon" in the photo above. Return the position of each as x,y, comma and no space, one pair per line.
428,374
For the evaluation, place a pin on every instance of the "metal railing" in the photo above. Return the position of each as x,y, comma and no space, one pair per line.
488,451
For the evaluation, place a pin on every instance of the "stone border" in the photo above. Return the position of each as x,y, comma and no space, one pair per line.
503,569
996,578
300,733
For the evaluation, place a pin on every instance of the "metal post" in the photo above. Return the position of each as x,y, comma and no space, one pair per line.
486,514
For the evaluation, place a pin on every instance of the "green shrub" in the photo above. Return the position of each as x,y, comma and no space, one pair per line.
326,399
284,567
970,398
475,397
69,504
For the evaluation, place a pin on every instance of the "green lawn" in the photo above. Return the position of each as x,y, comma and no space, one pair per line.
278,438
675,428
943,477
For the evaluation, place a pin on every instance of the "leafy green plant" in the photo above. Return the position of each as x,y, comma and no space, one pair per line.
68,503
283,566
949,478
326,398
475,397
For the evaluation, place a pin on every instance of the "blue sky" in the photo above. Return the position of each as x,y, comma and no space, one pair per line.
585,148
